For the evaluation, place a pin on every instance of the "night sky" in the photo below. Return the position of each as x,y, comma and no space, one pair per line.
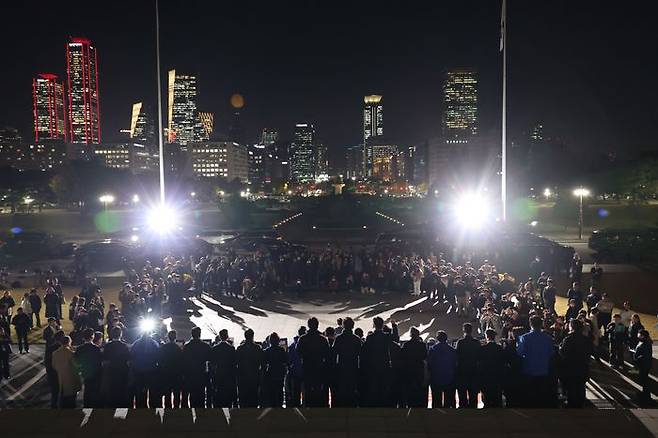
586,69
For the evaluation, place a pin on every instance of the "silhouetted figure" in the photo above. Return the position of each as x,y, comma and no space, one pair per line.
346,351
274,373
414,354
223,371
195,375
314,351
491,371
171,371
468,351
249,358
575,352
116,372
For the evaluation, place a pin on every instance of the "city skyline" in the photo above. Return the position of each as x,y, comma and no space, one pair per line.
554,84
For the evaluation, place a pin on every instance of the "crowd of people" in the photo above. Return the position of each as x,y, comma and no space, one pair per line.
514,339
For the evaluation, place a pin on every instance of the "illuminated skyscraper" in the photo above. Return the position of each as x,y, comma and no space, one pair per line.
142,128
373,126
207,121
460,98
182,118
268,136
49,114
302,153
84,116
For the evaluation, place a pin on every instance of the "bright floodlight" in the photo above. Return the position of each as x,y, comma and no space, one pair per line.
581,192
163,219
106,199
135,198
547,192
147,325
472,211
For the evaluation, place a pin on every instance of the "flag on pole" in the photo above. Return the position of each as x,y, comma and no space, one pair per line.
503,13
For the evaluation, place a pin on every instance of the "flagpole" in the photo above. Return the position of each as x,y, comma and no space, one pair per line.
503,47
160,142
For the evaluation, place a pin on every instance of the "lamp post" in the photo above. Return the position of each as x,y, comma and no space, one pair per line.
105,200
581,193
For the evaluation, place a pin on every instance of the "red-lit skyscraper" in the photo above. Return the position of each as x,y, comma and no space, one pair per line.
84,115
49,114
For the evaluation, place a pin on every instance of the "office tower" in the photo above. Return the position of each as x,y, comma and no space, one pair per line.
373,126
321,161
49,114
84,115
142,127
354,161
268,136
257,160
220,158
460,98
182,118
235,132
207,121
302,153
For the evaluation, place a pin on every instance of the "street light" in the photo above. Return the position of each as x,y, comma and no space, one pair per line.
547,193
106,199
135,199
581,193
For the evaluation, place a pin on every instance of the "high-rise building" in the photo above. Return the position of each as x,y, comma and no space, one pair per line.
84,114
460,99
207,121
302,153
219,158
257,161
182,119
236,133
373,125
142,128
321,161
354,161
269,136
49,114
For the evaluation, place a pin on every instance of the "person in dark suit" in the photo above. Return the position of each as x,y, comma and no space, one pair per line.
642,356
274,372
89,358
171,371
574,352
116,371
468,351
249,358
195,370
346,351
295,372
377,365
223,369
315,353
414,354
442,364
23,323
491,371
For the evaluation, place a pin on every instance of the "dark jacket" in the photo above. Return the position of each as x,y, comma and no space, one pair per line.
89,358
195,356
414,353
223,363
314,350
346,351
468,351
574,353
22,322
171,362
491,364
442,362
249,358
643,355
275,360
